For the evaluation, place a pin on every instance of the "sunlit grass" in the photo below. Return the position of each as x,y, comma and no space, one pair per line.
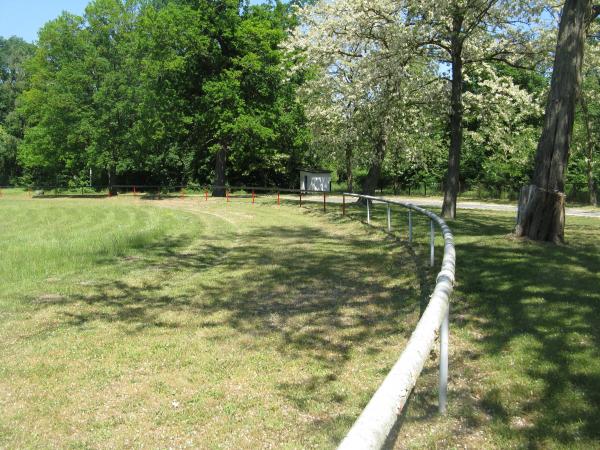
215,325
45,239
173,323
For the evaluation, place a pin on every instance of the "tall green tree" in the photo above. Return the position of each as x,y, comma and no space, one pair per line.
57,107
163,92
14,52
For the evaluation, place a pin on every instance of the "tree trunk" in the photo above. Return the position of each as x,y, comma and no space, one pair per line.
590,152
372,178
542,216
218,189
111,176
452,176
349,175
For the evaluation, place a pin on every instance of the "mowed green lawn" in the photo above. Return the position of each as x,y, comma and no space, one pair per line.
525,340
205,324
182,323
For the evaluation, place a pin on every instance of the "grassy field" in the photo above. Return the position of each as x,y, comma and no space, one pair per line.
180,323
183,323
525,339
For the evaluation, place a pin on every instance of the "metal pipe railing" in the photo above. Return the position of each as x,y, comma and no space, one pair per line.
377,420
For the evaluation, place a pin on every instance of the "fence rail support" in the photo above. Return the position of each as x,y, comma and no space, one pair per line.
368,212
410,227
389,219
443,389
432,244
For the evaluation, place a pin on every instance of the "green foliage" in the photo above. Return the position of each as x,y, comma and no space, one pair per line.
148,91
13,54
503,118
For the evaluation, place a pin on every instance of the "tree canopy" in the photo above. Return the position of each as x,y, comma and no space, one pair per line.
151,92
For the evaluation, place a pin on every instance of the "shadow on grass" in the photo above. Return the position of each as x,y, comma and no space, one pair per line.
53,196
316,296
320,295
535,311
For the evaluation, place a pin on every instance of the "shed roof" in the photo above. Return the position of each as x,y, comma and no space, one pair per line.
314,170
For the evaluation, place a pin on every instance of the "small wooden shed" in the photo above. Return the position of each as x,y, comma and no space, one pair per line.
315,180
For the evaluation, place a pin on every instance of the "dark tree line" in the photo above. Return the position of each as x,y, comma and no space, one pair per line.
181,91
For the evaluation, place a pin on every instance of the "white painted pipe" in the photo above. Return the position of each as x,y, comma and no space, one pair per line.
389,219
373,426
432,244
410,226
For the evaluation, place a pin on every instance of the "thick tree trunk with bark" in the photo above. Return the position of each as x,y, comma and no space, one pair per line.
590,146
218,189
372,178
542,213
451,185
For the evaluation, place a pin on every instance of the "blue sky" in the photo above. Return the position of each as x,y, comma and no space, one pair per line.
24,18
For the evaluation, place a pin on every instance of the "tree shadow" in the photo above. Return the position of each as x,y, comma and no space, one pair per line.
538,306
316,295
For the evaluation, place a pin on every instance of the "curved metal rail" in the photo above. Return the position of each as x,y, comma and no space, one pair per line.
375,423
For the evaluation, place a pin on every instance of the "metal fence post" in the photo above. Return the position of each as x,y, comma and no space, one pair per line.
432,244
368,212
389,218
444,334
324,203
343,205
410,226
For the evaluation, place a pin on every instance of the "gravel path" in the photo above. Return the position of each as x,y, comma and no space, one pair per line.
437,203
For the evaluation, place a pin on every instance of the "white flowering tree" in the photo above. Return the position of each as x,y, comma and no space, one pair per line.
384,37
461,33
501,127
364,94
